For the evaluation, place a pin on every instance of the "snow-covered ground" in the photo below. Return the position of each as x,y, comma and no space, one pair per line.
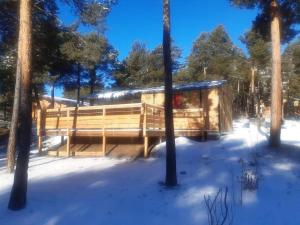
126,192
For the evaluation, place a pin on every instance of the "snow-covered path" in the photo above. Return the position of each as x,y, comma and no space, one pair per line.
125,192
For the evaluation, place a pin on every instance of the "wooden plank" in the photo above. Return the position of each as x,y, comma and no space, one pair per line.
89,154
53,153
118,106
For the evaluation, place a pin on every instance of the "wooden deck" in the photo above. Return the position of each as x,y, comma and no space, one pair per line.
142,121
93,150
132,150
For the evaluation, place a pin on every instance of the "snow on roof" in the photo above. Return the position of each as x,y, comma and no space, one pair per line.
178,87
63,100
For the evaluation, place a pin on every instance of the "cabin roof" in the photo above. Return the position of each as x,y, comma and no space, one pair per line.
66,101
177,87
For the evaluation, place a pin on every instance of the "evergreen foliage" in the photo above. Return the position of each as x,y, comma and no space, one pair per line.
213,56
144,68
289,10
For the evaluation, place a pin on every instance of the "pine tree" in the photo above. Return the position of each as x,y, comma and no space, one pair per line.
275,21
19,190
171,174
199,58
212,56
291,75
44,40
259,58
18,193
100,61
144,68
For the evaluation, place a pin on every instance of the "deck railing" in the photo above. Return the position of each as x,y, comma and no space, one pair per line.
123,120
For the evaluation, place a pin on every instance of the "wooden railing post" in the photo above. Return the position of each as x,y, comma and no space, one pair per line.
144,119
103,132
68,133
146,139
39,131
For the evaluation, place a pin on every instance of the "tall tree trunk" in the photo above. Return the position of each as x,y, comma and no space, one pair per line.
276,92
171,174
78,84
52,96
11,147
252,93
5,111
92,84
19,190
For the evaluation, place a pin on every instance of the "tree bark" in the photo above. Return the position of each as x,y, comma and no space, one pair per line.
252,92
276,91
5,111
92,84
52,96
11,147
36,97
171,174
78,84
18,195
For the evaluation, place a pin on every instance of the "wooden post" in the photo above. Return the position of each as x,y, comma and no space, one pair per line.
160,139
61,140
40,143
144,120
146,139
146,146
39,123
103,132
68,142
68,134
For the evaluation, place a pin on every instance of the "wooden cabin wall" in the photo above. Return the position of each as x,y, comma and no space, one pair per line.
211,109
153,98
207,101
225,109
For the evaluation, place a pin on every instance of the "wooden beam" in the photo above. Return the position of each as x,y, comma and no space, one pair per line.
103,132
146,146
62,138
40,143
68,136
144,119
39,128
104,145
160,139
68,143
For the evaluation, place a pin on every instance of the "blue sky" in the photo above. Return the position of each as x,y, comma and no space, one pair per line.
141,20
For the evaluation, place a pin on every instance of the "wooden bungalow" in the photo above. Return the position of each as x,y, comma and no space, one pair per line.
137,116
